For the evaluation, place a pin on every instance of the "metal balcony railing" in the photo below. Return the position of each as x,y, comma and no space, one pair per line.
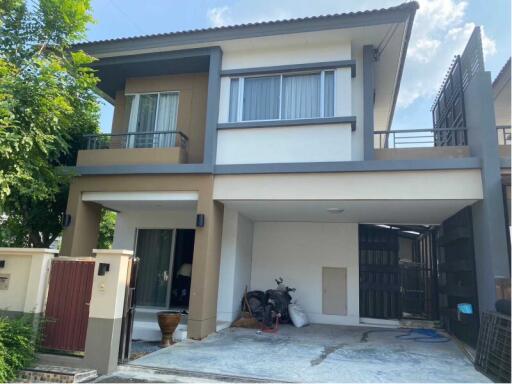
420,138
504,134
163,139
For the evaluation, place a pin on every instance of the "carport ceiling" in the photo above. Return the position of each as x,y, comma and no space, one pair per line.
423,212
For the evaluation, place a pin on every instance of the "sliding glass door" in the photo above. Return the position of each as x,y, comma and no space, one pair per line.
154,249
153,117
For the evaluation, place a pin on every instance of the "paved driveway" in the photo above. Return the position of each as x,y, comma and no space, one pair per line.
319,353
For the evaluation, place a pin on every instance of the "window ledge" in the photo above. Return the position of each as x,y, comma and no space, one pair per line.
287,123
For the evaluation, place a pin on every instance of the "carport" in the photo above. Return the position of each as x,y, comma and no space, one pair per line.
318,353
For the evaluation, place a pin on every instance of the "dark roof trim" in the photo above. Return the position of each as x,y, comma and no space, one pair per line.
396,14
321,167
292,68
504,71
148,57
290,123
351,166
403,53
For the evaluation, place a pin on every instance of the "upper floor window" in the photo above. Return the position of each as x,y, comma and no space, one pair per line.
152,117
282,97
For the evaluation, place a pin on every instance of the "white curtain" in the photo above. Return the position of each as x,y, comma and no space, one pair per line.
132,110
166,120
329,94
261,98
233,100
301,96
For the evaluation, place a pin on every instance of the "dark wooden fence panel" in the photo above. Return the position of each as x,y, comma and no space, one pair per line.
67,308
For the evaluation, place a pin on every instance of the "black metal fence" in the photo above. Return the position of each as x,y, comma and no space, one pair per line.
417,138
163,139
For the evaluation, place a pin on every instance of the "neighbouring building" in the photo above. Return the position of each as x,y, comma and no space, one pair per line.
241,154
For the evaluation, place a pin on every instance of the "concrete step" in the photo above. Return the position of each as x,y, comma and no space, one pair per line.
42,373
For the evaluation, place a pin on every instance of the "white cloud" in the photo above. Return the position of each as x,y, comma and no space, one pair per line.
440,31
219,17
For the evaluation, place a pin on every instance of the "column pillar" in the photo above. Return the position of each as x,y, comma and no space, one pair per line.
491,257
81,236
106,310
202,317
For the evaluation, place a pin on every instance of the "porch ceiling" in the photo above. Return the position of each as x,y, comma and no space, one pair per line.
426,212
143,201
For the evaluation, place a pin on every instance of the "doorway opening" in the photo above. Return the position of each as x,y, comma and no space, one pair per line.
398,272
163,282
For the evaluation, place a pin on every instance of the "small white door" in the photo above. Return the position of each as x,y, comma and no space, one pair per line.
334,291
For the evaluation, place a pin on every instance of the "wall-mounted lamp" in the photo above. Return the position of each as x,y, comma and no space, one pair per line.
66,220
103,268
2,263
200,220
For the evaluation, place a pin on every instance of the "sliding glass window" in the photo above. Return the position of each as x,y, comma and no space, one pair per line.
282,97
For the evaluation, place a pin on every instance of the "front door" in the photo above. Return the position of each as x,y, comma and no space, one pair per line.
154,250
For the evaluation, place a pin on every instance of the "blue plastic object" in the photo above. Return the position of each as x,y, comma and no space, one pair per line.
423,335
465,308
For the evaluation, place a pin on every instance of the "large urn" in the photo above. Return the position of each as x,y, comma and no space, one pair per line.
167,321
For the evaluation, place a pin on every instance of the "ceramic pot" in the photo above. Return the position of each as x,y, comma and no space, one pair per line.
167,321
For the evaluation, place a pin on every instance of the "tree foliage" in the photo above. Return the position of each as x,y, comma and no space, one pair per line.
47,103
106,231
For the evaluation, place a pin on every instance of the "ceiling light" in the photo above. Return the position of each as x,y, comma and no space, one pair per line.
335,211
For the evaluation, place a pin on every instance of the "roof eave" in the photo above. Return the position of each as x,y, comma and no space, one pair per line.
343,21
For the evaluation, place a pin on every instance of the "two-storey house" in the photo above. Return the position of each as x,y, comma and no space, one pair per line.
241,154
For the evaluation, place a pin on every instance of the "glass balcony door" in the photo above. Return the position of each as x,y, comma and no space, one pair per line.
154,248
152,117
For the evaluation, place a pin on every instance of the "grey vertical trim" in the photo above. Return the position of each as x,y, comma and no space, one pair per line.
490,241
212,107
368,100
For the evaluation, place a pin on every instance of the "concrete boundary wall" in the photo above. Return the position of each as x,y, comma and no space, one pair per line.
24,279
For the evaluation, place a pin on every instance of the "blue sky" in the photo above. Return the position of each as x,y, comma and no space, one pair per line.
440,31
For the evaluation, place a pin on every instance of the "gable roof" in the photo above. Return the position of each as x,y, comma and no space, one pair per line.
264,28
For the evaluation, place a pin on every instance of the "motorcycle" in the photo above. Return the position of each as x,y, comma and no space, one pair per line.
270,307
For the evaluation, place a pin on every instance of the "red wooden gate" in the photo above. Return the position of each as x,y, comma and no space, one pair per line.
67,307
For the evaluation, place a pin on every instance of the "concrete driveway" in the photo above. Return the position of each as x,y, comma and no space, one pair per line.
319,353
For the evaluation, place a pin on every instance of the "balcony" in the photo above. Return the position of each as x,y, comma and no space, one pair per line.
421,144
137,148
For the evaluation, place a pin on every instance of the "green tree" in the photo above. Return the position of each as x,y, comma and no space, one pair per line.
107,226
47,103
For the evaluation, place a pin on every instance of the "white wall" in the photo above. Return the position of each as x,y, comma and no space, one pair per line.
235,264
297,252
128,222
287,52
315,143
